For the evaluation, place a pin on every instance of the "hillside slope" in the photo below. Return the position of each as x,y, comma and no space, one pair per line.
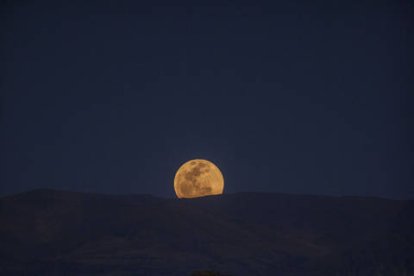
47,232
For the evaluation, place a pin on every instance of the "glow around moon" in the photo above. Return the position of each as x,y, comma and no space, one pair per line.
197,178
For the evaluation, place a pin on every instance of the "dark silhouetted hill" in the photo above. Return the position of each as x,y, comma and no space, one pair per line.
47,232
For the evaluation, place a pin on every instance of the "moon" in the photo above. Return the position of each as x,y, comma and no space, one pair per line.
197,178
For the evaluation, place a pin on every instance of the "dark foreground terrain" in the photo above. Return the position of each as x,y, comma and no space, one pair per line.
46,232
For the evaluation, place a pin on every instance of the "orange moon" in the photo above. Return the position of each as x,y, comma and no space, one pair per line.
197,178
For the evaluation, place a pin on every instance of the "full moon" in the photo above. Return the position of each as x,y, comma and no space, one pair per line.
197,178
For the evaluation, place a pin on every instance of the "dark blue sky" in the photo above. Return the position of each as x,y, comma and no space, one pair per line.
284,96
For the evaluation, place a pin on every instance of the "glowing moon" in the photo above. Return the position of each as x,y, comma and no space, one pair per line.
197,178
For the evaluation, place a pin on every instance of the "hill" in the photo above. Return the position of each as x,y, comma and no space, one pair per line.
48,232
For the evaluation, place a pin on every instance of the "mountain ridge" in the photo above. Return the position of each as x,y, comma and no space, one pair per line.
58,191
51,232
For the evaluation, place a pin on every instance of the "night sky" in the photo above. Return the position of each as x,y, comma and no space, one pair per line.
309,97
